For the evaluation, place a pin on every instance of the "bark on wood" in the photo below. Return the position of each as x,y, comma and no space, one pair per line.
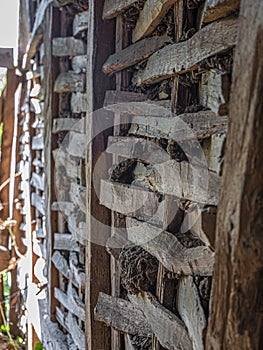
151,15
69,82
79,102
114,97
68,46
134,53
215,9
112,8
64,241
6,57
121,315
168,328
191,311
169,251
80,22
235,321
177,58
79,63
66,124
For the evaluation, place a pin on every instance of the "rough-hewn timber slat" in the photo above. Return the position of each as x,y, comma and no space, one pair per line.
68,46
80,22
191,311
37,142
38,203
77,194
53,337
37,181
79,63
168,328
77,144
215,9
121,315
69,82
169,251
114,96
66,124
71,301
76,332
79,102
62,266
134,53
78,229
112,8
150,17
63,159
177,58
64,241
150,108
65,207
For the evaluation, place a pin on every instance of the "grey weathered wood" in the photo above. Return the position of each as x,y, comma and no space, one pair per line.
38,203
71,301
68,46
177,58
77,144
76,332
63,159
215,9
79,63
151,15
112,8
69,82
78,229
114,96
191,311
79,102
66,124
66,207
64,241
121,315
37,142
215,91
6,57
77,271
213,149
168,328
77,194
134,53
150,108
53,337
80,22
169,251
37,181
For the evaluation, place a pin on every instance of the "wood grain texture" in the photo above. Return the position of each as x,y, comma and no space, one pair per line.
235,321
114,96
68,46
80,22
150,16
66,124
112,8
177,58
216,9
69,82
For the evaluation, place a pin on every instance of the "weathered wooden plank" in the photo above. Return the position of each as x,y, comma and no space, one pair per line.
121,315
71,301
215,91
66,124
63,159
69,82
150,16
38,142
76,332
53,337
6,57
37,181
80,22
191,311
77,194
66,207
68,46
112,8
64,241
213,149
77,271
216,9
114,96
169,251
168,328
78,229
177,58
79,63
77,144
79,102
134,53
38,203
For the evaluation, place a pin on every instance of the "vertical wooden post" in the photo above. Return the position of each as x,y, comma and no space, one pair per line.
236,317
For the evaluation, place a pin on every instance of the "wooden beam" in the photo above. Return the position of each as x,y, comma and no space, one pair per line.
80,22
64,241
169,251
235,321
66,124
114,96
68,46
79,63
79,102
216,9
134,53
178,58
150,16
168,328
69,82
6,57
112,8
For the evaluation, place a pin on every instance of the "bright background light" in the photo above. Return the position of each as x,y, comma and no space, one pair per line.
9,10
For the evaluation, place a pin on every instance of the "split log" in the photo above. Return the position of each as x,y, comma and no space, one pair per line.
79,103
79,63
64,241
71,301
112,8
134,53
38,203
77,194
6,57
150,16
114,96
168,328
169,251
178,58
69,82
213,149
37,142
77,144
121,315
215,91
191,311
216,9
37,181
146,108
68,46
80,22
66,124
